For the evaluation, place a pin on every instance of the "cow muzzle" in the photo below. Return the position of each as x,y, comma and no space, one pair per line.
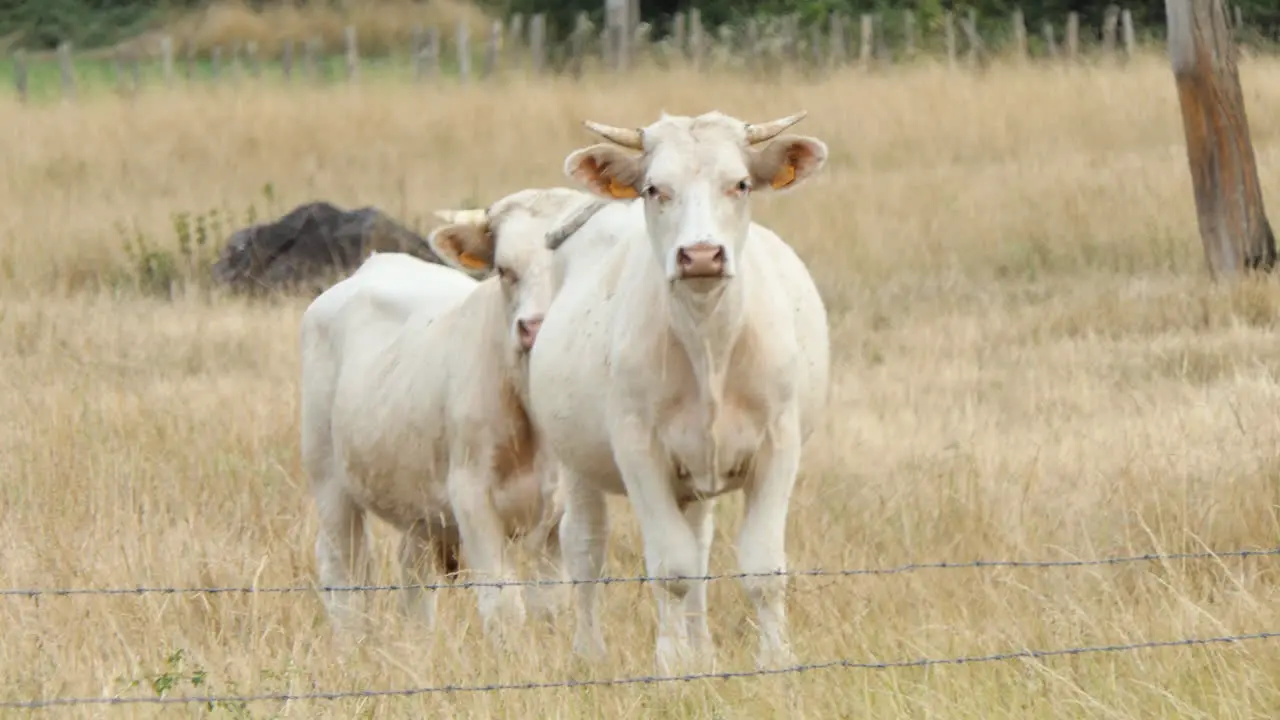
702,260
527,329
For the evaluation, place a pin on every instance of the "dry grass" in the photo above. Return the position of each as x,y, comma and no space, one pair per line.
1029,363
381,25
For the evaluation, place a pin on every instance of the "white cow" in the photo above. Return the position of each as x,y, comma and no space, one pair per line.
685,356
414,389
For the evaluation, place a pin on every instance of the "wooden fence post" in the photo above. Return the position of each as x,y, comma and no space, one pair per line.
464,51
431,66
866,40
1050,42
835,41
751,49
417,41
311,59
492,46
977,52
613,32
679,35
696,38
1110,23
67,70
578,44
513,46
286,60
166,59
908,34
538,42
20,74
815,48
1126,31
1073,36
1224,174
251,56
135,71
352,53
1019,35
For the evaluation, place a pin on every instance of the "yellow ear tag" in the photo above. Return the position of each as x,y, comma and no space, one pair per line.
471,262
786,175
621,191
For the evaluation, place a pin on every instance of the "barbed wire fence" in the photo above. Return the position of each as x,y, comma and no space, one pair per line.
644,579
841,663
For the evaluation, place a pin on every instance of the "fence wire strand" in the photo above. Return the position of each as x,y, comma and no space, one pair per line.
815,572
1029,654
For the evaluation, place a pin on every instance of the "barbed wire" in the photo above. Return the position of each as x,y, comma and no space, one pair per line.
1028,654
814,572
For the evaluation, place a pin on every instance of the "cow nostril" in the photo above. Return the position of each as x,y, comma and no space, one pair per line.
719,256
529,327
683,258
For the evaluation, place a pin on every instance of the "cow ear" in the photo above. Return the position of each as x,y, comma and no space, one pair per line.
606,170
787,162
465,246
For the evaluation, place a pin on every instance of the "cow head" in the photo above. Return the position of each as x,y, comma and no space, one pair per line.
695,176
509,238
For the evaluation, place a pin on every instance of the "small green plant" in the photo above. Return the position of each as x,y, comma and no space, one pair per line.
176,673
160,269
153,270
269,194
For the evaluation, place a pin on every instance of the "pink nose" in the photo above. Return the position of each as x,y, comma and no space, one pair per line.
701,261
528,328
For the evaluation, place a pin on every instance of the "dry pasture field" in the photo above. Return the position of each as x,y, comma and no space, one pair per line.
1029,363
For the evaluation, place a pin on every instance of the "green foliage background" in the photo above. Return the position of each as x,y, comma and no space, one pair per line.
92,23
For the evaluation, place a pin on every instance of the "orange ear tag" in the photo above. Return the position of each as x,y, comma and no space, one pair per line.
786,175
471,262
621,191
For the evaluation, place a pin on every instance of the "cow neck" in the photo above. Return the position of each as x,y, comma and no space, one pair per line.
708,325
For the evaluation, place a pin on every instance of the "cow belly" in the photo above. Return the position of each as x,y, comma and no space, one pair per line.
398,495
518,501
594,462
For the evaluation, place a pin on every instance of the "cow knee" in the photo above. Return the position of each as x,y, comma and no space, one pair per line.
675,566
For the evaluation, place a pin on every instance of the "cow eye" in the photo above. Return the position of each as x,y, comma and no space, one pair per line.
653,193
743,187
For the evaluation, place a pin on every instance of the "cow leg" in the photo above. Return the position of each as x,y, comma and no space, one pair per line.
423,550
546,601
584,535
762,539
342,554
484,543
701,517
670,544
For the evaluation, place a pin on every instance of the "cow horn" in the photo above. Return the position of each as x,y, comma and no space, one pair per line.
467,217
764,131
628,138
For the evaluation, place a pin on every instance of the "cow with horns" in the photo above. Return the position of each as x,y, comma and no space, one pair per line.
685,356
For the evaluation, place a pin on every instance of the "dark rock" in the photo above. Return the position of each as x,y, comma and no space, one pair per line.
311,247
